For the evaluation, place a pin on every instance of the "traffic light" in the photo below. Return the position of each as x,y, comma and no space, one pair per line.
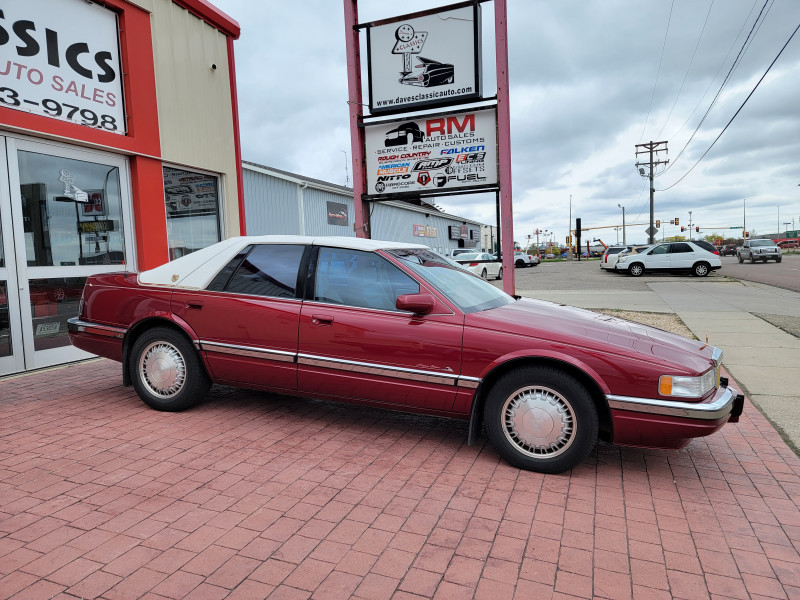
677,222
682,228
658,223
697,229
746,234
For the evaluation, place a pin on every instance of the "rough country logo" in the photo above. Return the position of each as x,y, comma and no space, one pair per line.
431,72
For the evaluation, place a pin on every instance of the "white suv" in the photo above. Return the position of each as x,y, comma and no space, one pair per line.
672,256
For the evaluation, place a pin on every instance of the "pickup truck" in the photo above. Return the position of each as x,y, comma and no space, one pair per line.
763,249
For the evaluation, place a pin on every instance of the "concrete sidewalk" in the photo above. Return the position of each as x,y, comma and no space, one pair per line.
763,359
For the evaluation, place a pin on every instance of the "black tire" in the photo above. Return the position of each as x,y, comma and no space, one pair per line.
520,264
741,260
523,411
777,260
500,273
752,259
166,372
484,274
701,269
636,269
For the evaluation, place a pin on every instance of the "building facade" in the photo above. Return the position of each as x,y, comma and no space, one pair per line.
278,202
119,143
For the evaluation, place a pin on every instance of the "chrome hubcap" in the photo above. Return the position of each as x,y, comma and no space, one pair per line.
163,369
539,421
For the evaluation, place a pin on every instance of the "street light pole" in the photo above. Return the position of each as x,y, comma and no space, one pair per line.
690,226
624,239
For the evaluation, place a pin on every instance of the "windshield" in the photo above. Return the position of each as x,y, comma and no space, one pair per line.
467,291
762,243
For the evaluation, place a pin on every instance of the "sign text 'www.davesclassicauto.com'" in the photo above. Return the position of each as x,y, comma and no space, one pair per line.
430,154
60,59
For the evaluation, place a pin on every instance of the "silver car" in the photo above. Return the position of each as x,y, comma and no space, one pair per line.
764,249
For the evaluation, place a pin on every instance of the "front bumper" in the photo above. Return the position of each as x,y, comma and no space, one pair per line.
657,423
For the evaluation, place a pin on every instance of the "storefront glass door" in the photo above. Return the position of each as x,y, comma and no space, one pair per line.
68,212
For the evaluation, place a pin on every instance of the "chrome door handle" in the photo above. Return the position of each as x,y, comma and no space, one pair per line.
321,320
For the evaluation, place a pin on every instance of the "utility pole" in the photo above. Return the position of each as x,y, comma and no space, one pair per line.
690,226
651,148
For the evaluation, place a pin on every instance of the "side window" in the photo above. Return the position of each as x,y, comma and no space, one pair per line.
662,249
679,247
268,270
356,278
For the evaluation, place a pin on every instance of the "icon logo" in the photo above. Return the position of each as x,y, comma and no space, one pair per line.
423,178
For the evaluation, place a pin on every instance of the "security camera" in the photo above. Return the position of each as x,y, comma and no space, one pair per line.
641,171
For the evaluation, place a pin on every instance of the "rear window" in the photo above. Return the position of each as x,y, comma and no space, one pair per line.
615,250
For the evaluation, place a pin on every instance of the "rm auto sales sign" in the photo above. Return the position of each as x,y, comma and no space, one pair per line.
432,154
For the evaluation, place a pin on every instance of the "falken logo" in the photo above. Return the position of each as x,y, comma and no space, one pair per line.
432,164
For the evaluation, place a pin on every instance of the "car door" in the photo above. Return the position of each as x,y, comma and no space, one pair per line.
355,344
681,256
247,318
656,259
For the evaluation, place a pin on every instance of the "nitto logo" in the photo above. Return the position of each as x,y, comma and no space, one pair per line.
432,164
394,177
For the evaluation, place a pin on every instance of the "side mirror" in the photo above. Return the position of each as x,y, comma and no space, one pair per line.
419,304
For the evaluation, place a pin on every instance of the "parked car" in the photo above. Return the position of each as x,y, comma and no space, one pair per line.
728,250
685,257
481,264
761,249
398,326
784,244
453,252
610,256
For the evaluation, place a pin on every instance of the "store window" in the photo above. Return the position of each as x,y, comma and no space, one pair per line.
192,205
71,211
53,302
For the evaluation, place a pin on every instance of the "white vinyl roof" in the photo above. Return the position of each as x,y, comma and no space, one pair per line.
196,270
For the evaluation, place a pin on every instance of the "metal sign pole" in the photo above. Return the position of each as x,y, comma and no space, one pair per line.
504,145
355,105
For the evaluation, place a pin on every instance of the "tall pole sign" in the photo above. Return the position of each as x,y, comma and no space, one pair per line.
430,60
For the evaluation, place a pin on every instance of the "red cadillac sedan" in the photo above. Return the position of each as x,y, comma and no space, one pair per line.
398,326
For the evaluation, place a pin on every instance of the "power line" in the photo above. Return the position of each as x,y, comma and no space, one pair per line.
653,95
688,69
736,113
735,64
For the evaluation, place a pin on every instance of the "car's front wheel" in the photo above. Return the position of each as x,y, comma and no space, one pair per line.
741,260
779,259
636,269
752,259
166,372
541,419
500,273
700,269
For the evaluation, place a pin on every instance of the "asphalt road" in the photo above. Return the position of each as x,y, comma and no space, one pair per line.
575,275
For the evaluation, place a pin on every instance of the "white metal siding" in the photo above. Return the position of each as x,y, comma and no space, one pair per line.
270,205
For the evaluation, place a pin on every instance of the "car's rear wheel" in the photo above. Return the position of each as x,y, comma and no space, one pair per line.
500,273
166,372
700,269
519,264
636,269
541,419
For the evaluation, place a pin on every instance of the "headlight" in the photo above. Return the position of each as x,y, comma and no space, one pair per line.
688,387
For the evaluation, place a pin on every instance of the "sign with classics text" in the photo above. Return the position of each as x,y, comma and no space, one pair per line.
427,60
60,59
432,154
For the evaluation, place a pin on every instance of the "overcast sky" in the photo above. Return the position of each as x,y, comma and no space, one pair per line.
588,83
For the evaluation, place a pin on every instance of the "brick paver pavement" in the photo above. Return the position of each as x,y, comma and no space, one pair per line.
252,496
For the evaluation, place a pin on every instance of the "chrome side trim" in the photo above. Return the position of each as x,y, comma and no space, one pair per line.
711,411
468,382
263,353
75,324
372,369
